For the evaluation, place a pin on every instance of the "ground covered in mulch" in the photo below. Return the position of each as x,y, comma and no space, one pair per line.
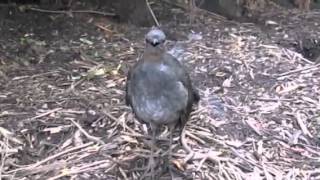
62,111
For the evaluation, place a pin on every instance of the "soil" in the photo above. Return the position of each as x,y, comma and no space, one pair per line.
62,110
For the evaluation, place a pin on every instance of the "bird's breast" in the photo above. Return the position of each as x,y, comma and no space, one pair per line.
164,68
157,95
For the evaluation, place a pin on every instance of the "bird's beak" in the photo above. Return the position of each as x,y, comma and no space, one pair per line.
155,41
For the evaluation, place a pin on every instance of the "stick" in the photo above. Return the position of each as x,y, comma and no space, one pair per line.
93,138
31,166
45,114
152,13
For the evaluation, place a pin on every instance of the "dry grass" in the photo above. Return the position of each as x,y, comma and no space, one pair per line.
258,117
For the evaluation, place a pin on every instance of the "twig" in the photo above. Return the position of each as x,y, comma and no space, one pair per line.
45,114
214,15
123,173
272,99
174,4
152,13
85,168
74,84
186,146
9,136
302,125
45,168
104,28
72,11
93,138
31,166
217,16
117,121
315,67
290,53
235,152
192,155
4,153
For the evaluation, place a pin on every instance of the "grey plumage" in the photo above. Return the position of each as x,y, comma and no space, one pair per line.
159,89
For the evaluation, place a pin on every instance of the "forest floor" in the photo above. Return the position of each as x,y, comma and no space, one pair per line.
62,111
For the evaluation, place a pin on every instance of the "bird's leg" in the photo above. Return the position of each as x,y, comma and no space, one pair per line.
170,151
170,142
153,149
151,164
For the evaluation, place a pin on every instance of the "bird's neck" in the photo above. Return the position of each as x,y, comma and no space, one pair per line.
153,54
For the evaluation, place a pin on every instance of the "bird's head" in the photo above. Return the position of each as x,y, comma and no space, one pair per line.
155,37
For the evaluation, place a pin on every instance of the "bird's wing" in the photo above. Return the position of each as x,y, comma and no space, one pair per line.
184,77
